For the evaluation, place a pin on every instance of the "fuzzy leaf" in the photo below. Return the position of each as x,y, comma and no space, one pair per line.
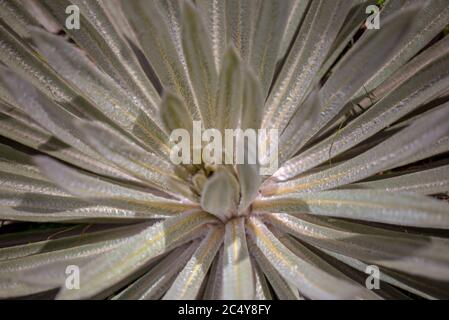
318,31
161,43
229,96
240,19
200,63
188,282
414,254
269,28
102,273
153,284
401,146
174,114
428,76
296,13
214,16
100,39
367,55
128,156
283,290
221,194
238,277
94,189
41,272
425,27
313,282
432,181
365,205
111,99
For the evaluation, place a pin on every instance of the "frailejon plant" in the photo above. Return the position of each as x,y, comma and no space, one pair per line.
94,208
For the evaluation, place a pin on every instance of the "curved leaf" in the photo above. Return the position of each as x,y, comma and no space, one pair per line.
430,181
188,282
365,205
414,254
238,277
411,140
102,273
312,281
221,194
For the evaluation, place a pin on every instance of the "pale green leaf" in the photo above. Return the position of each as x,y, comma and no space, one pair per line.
161,43
200,63
188,282
214,16
68,242
269,25
296,13
318,31
95,189
45,208
228,105
420,80
240,19
432,181
43,141
24,185
366,205
408,142
41,272
310,280
107,95
430,21
23,60
261,284
308,255
411,253
366,56
105,46
103,273
155,282
213,289
18,163
15,15
174,114
252,107
221,194
141,164
282,289
238,276
411,284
